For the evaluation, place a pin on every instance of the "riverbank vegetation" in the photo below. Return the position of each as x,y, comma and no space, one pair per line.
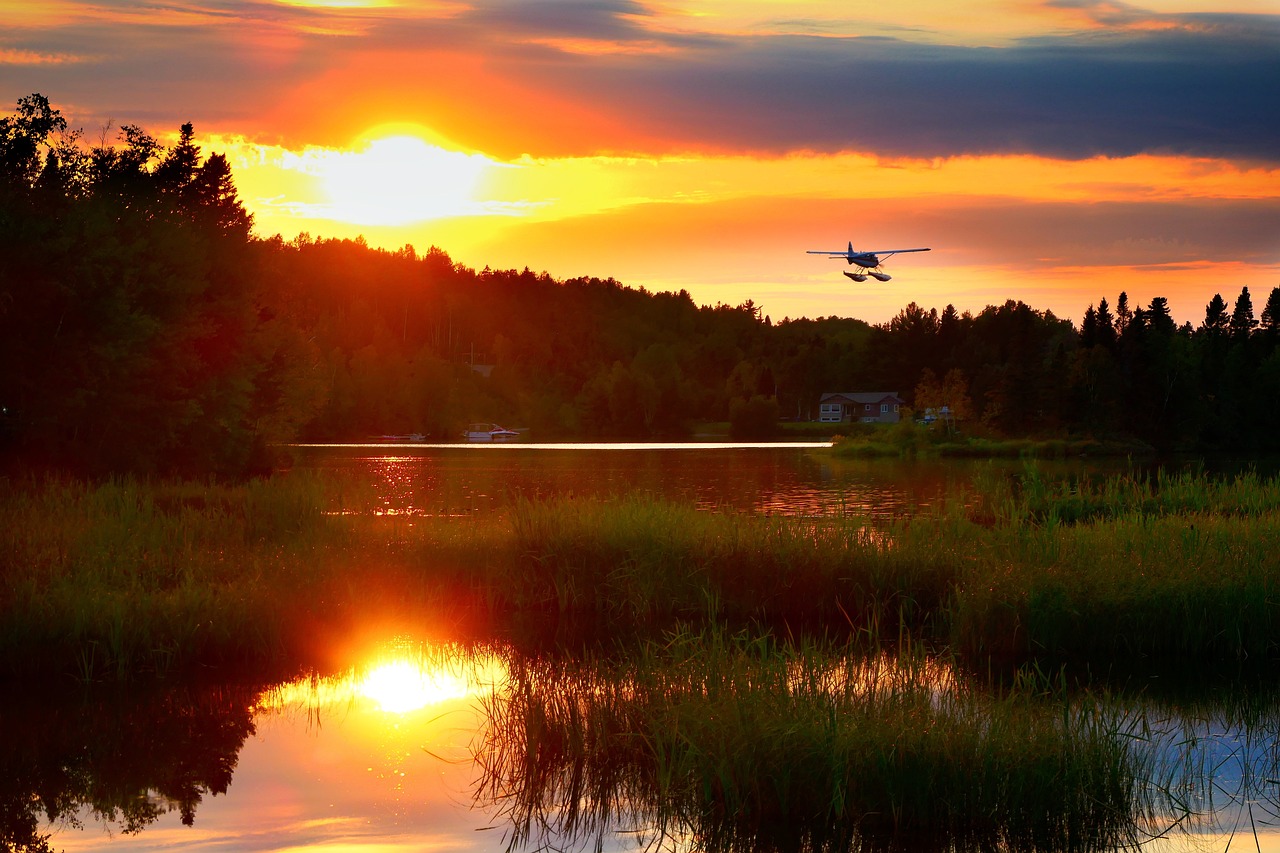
908,439
116,579
145,328
738,682
734,742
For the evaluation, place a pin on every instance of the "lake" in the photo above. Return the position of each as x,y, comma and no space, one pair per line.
383,755
786,479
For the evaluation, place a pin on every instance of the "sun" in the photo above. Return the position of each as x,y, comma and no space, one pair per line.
395,179
399,687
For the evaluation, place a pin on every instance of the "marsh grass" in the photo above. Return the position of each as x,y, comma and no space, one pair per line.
125,577
1030,496
110,580
739,742
637,558
1150,566
910,440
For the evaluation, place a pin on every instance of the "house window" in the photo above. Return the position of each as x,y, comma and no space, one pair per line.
868,407
884,408
895,408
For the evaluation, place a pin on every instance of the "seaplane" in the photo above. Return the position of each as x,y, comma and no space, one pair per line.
868,263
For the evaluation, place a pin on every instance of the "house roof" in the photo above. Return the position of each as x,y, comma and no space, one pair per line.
862,397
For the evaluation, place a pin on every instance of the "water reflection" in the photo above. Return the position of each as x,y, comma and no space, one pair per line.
1214,775
373,757
701,741
404,677
124,763
452,480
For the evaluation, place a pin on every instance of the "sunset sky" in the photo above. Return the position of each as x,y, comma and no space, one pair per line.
1054,151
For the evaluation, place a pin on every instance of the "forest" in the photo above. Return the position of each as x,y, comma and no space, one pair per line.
145,327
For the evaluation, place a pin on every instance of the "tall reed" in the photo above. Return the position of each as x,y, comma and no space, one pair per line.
635,558
111,579
129,576
735,742
1166,565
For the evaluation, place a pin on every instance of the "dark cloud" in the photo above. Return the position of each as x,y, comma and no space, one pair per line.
1203,85
1209,93
608,19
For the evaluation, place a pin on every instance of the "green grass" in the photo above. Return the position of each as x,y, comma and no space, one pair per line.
111,580
637,559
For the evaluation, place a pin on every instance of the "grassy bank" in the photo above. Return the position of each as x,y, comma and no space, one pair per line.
116,579
910,440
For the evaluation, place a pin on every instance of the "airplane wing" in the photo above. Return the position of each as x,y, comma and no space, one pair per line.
887,252
842,253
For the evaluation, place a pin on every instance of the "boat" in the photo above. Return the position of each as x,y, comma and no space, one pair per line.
483,432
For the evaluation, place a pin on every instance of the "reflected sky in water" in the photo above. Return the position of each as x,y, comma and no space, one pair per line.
374,759
779,479
379,758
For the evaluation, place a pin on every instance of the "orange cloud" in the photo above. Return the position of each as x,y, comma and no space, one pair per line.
682,144
731,228
30,57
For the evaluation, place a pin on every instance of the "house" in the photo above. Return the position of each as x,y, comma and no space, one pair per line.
868,407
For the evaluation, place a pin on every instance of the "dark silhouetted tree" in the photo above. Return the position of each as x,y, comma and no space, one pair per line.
1242,322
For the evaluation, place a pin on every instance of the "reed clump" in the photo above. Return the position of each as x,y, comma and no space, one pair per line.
739,742
1163,566
109,579
910,440
114,579
638,559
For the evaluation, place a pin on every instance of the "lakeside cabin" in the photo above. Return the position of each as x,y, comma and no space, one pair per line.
868,407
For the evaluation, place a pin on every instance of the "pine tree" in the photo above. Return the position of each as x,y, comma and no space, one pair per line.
1242,322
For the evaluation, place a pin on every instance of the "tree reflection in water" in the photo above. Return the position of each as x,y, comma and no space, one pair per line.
125,759
706,740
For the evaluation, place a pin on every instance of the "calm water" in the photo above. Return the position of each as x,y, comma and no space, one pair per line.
380,757
789,479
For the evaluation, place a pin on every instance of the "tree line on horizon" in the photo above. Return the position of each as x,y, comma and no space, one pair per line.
143,327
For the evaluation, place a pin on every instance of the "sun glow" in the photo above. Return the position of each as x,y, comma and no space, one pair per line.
399,687
391,180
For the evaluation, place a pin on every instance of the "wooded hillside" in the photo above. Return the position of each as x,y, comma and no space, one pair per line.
143,327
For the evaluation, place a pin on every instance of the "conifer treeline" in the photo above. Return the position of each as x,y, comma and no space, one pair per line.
143,327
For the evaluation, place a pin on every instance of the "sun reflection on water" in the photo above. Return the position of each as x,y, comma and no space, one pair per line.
402,678
401,686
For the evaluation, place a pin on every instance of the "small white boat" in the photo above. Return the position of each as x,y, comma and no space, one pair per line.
489,432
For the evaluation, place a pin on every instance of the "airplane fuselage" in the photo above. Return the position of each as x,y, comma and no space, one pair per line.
866,259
